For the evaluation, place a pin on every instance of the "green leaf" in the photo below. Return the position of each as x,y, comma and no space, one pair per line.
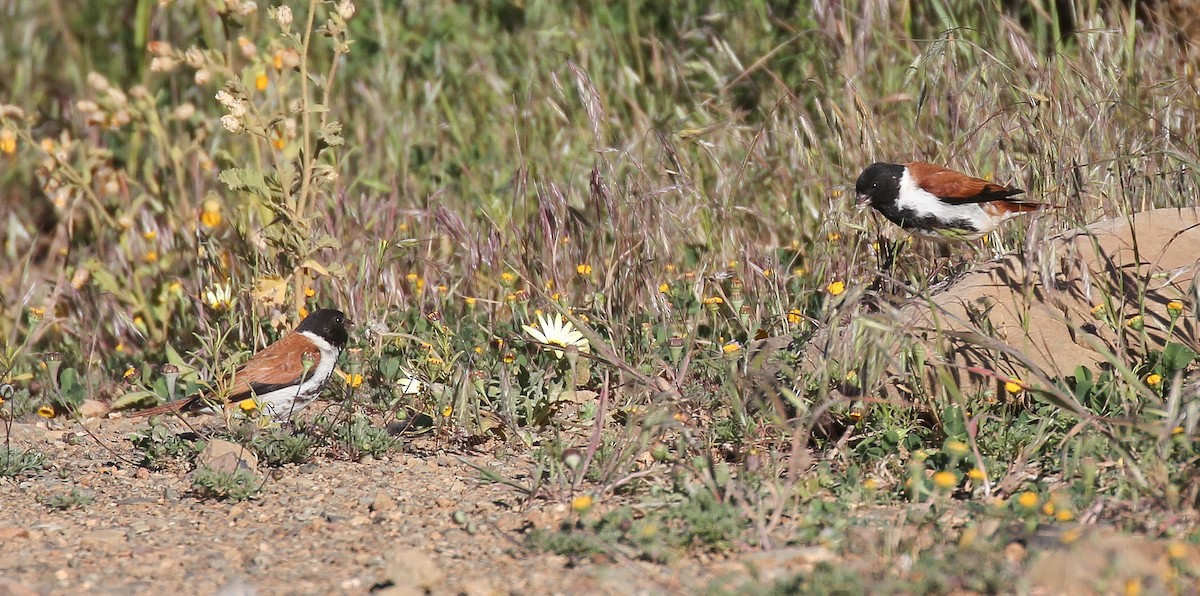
1177,357
251,180
133,398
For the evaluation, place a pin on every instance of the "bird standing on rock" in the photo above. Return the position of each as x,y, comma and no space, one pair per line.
938,203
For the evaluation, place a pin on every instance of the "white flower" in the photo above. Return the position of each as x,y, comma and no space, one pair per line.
409,385
231,123
345,9
194,57
203,77
162,64
220,296
97,81
236,105
184,111
283,16
557,332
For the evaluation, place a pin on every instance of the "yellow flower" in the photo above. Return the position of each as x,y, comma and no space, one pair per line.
1048,508
130,374
435,361
975,474
507,278
1178,430
150,234
870,484
836,288
8,141
1177,551
583,269
1133,587
120,346
210,214
732,347
581,504
309,292
151,256
663,288
46,411
1027,499
767,273
945,480
1098,310
447,411
277,61
714,301
469,301
834,236
303,312
248,405
1136,322
1064,515
412,278
1174,308
175,287
957,448
795,316
1014,386
352,380
260,81
509,357
36,314
1154,380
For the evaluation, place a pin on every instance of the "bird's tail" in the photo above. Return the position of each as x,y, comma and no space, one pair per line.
168,408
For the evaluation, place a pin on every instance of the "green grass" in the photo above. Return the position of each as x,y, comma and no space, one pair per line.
672,178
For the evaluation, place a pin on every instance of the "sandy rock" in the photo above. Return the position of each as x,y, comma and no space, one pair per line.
8,534
224,456
413,568
478,586
1105,561
13,588
1041,304
383,502
104,538
93,409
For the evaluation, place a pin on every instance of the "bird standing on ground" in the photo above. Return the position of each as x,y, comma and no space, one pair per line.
938,203
287,375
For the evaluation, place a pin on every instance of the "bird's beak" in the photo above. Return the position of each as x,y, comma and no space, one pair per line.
862,201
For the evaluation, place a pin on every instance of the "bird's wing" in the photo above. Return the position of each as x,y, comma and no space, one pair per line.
958,188
279,365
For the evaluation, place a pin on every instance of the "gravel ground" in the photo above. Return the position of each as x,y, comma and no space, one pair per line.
323,527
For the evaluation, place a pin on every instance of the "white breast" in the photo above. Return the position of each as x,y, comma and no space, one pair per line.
918,199
282,403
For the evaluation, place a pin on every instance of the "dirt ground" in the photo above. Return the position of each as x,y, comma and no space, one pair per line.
418,521
324,527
